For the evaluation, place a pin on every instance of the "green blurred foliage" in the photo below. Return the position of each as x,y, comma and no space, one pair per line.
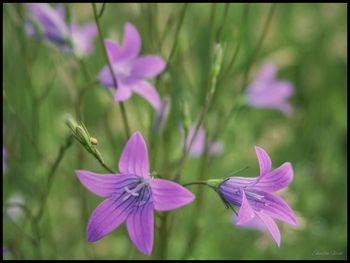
307,42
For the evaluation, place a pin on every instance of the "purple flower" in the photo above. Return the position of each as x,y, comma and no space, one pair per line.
267,92
131,71
198,144
258,206
131,196
49,23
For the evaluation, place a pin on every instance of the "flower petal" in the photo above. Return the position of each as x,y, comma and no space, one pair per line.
134,158
246,212
273,205
267,73
103,185
197,143
275,180
123,92
271,227
113,50
51,20
83,37
147,67
132,43
168,195
146,90
264,160
140,225
105,77
107,216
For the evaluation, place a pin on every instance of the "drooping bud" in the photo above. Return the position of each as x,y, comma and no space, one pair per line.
81,133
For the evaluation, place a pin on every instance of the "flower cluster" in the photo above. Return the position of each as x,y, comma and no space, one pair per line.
46,22
132,194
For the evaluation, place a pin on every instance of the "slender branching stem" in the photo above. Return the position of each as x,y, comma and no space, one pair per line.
121,104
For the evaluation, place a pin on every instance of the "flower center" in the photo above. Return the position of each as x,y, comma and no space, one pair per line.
138,192
122,71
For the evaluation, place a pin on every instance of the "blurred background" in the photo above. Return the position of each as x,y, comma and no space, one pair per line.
306,42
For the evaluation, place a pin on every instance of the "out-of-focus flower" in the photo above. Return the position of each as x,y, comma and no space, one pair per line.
258,206
161,115
267,92
15,212
131,196
49,23
131,72
198,143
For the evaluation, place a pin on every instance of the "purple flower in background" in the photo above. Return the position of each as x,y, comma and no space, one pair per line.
198,144
258,206
267,92
131,196
49,23
131,71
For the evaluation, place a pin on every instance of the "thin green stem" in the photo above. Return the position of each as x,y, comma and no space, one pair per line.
258,46
195,183
173,48
194,227
121,105
51,176
219,34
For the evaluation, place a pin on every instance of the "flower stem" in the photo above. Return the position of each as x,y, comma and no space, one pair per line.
121,105
195,183
50,177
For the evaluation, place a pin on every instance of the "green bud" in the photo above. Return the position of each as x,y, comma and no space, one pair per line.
214,182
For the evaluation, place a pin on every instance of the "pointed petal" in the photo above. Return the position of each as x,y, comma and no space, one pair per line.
168,195
134,158
246,212
146,90
105,77
108,216
271,227
147,67
132,43
267,73
103,185
113,50
275,180
83,38
273,205
140,225
60,11
264,160
123,92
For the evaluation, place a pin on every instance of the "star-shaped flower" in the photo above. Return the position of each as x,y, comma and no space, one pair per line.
131,196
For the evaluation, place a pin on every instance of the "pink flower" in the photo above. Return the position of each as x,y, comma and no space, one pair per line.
131,197
258,206
267,92
131,71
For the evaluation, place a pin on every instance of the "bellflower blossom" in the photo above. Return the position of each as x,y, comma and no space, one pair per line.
49,23
267,92
258,206
198,144
131,196
131,71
